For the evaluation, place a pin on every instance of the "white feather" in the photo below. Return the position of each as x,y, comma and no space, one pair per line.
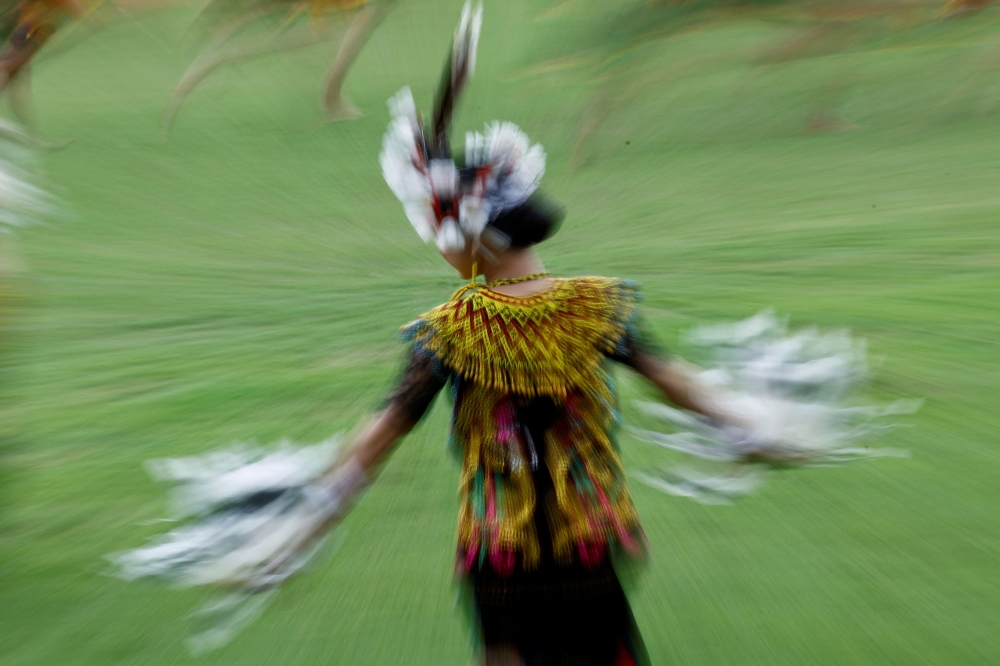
466,41
449,237
516,167
786,398
401,105
475,146
421,216
254,510
473,215
443,178
400,157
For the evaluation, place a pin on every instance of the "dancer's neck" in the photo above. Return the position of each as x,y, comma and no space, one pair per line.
514,264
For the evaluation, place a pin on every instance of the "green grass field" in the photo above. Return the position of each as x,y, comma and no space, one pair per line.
245,280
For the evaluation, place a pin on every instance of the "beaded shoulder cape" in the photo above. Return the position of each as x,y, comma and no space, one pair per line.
501,351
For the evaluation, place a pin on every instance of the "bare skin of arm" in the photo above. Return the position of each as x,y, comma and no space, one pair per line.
671,379
377,438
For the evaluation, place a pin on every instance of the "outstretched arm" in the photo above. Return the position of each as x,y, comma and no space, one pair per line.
336,490
674,379
412,398
671,379
375,441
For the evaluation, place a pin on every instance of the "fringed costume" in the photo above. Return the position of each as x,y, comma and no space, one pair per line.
544,502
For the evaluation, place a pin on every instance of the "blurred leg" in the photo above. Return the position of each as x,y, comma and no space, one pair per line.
357,35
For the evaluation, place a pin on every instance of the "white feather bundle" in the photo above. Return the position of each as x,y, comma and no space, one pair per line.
404,167
450,237
516,167
256,518
252,509
220,478
785,398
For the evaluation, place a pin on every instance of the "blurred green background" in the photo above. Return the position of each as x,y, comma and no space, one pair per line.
245,281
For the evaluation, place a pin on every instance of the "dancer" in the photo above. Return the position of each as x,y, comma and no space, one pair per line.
545,512
26,27
545,507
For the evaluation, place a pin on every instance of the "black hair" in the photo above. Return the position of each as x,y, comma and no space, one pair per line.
535,220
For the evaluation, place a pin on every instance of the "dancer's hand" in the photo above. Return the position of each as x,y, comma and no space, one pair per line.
770,454
327,502
332,495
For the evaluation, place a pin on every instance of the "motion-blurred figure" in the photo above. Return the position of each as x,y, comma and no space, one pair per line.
229,21
27,25
545,511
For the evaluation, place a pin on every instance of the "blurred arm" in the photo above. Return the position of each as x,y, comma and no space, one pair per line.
409,402
334,493
672,378
379,436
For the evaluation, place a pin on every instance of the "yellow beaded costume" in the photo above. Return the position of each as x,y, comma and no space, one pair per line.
500,351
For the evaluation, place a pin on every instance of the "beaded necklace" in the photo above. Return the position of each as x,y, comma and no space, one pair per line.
523,278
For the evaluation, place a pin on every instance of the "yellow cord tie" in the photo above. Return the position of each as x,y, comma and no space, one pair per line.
524,278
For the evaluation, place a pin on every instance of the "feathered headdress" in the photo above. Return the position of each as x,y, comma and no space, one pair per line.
446,203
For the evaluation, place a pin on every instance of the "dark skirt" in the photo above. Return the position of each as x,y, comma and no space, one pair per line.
559,615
